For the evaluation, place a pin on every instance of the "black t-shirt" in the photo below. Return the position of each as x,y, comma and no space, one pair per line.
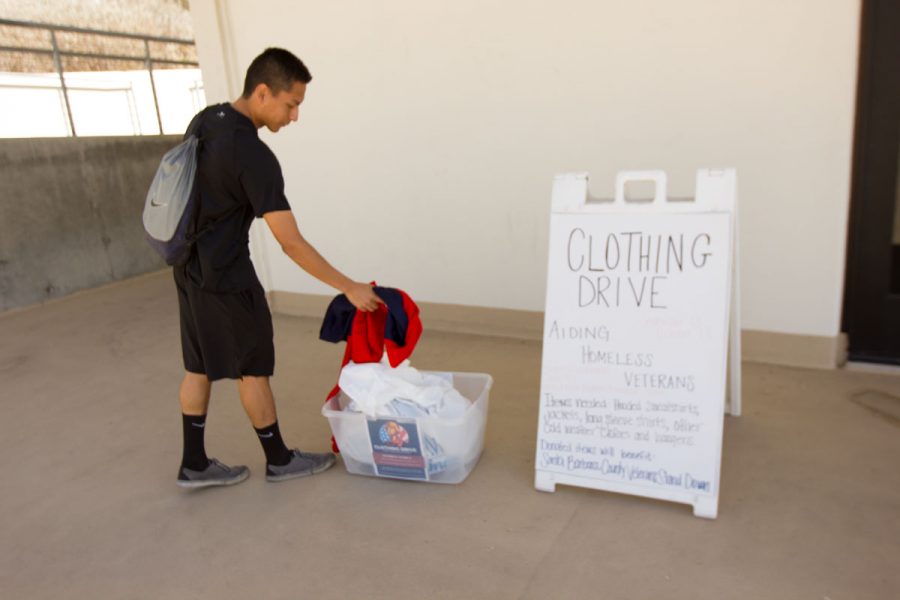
239,178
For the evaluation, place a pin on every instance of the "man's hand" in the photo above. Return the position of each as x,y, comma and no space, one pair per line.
362,297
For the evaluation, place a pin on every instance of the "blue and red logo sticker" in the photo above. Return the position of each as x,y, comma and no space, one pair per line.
396,449
393,433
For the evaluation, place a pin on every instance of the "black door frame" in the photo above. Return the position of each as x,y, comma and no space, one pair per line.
871,316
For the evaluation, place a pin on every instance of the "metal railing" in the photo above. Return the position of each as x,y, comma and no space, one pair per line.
58,54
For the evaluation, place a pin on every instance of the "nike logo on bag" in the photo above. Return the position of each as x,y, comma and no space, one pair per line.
263,435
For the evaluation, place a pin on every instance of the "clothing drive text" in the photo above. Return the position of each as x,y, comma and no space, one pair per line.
630,268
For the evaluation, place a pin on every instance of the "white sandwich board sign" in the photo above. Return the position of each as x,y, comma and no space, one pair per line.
640,302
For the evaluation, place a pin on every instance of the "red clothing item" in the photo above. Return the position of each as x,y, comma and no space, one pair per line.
366,342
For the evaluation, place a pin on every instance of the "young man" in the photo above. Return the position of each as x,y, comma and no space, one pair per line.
226,327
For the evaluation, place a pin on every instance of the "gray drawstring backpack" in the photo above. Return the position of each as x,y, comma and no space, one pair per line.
172,200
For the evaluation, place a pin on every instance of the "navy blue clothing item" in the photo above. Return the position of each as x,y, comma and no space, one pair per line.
397,320
339,317
238,178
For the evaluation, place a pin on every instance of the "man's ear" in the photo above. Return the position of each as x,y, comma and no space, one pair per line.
261,92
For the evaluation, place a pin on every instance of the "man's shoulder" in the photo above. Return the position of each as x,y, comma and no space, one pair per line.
230,133
252,150
221,117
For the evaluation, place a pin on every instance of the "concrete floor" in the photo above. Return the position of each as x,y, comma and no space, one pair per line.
90,442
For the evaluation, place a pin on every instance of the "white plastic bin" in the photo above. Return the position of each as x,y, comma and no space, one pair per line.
424,448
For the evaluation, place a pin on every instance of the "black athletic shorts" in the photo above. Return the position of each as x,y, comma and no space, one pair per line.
225,335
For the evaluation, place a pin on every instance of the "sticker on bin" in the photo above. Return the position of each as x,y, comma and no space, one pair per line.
396,449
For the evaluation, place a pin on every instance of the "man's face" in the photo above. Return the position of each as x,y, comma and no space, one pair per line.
278,110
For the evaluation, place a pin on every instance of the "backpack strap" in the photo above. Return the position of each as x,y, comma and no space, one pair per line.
192,129
194,125
193,237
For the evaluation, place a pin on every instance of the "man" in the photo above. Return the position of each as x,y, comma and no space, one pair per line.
226,327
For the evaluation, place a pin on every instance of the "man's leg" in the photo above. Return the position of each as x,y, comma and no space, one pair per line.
258,401
194,394
194,397
281,463
197,470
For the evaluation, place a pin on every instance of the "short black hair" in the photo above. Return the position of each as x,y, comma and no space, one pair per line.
278,69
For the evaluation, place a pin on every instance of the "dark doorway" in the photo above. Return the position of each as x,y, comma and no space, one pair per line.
872,297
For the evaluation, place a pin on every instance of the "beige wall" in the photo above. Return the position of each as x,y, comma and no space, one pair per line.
432,130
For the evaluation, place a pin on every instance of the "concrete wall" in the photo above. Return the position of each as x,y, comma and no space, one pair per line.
70,213
432,130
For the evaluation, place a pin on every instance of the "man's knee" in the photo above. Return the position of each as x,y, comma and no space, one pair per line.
196,381
195,377
254,385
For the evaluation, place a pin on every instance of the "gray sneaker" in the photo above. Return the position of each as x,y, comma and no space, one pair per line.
216,473
300,465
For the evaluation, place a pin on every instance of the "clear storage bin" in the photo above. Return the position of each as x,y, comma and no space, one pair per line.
423,448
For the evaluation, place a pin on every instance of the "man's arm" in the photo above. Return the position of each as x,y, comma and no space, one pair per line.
284,227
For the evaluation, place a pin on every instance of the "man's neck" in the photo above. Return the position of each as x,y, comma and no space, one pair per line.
243,106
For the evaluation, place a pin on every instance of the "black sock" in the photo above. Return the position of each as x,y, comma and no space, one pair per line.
194,456
276,452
